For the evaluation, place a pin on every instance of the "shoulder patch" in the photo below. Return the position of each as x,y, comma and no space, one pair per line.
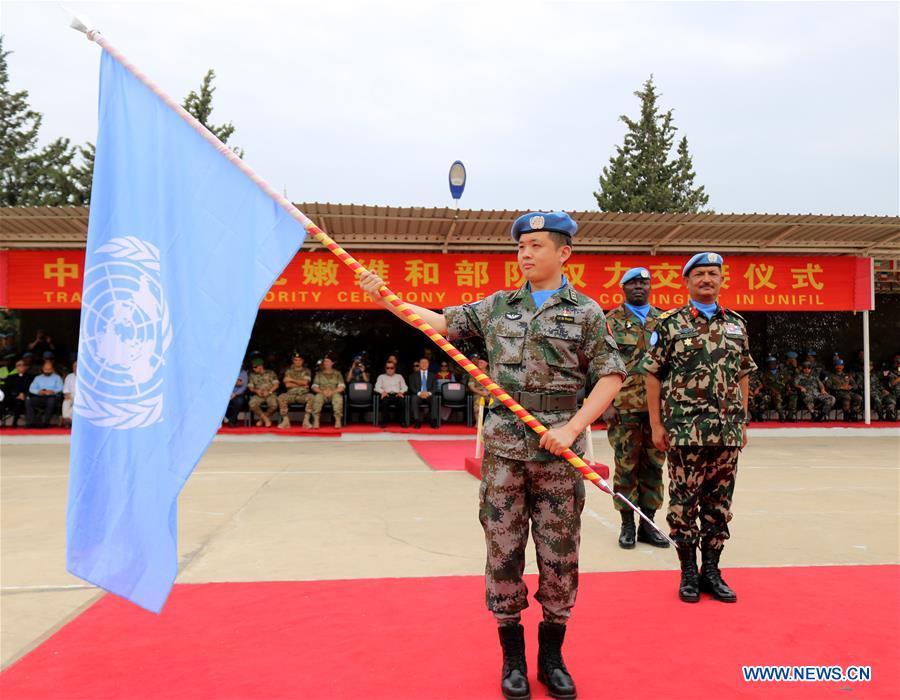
735,313
654,338
666,314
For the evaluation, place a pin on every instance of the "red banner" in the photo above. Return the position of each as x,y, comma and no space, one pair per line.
52,279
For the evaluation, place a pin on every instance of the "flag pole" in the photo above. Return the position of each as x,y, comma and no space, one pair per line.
409,315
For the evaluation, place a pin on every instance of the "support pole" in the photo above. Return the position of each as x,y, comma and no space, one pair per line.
867,392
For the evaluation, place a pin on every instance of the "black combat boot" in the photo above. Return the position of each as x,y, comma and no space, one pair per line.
711,580
514,684
552,670
648,534
689,588
626,536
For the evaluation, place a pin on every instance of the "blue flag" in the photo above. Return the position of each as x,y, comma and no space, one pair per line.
181,249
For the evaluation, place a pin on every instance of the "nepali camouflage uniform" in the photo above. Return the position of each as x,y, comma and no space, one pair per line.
810,389
267,381
328,380
549,350
842,386
699,363
639,465
297,394
760,401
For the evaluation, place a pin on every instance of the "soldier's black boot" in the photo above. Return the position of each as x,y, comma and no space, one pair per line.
626,535
711,580
648,534
552,670
689,588
514,684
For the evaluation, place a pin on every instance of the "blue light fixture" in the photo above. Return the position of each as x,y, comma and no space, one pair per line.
457,179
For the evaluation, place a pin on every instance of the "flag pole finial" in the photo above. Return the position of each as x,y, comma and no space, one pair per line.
81,24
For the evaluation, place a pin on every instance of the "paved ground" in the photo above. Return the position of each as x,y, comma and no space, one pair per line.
314,508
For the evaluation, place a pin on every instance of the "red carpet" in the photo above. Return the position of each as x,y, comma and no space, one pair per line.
443,455
431,638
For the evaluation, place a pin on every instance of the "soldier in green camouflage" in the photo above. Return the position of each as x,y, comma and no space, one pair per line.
791,397
882,402
639,465
543,340
698,368
773,387
296,380
811,392
842,386
262,385
328,386
759,399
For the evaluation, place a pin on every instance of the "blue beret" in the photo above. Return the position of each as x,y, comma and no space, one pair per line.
771,358
634,272
555,221
702,259
838,362
812,353
791,354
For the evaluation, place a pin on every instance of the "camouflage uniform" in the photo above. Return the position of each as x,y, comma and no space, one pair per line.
639,465
300,394
810,389
547,351
267,381
328,380
760,401
699,363
774,389
790,396
843,388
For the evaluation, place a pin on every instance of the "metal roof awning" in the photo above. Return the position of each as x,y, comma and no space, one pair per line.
367,227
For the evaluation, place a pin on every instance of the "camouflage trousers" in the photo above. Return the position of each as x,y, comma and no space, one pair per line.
821,403
319,400
765,401
848,402
551,496
701,485
639,465
270,402
295,395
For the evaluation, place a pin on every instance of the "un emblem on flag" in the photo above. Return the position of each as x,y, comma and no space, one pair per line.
125,333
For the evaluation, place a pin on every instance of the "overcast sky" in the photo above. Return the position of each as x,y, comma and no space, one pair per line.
788,107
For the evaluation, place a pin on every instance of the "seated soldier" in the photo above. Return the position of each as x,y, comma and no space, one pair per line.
812,393
297,379
842,386
262,385
328,386
43,395
391,389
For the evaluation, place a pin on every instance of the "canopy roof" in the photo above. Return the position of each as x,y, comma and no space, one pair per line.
368,227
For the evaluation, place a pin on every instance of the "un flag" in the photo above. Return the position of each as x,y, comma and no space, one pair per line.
181,249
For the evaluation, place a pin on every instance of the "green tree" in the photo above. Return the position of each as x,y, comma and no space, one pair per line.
200,107
641,176
28,175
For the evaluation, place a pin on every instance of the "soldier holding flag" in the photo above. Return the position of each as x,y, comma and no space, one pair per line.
542,341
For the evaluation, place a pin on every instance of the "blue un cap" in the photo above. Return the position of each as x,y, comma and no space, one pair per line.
554,221
791,354
701,260
634,273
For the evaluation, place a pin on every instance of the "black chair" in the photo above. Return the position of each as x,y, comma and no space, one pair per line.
360,396
455,397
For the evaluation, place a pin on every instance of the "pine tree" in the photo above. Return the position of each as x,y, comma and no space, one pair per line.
30,176
641,177
200,107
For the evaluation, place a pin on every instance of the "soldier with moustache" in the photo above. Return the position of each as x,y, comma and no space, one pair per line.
639,465
698,374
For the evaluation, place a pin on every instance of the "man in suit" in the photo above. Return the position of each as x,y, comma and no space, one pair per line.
423,392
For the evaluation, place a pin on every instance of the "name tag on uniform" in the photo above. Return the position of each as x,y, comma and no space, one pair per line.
565,318
733,330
